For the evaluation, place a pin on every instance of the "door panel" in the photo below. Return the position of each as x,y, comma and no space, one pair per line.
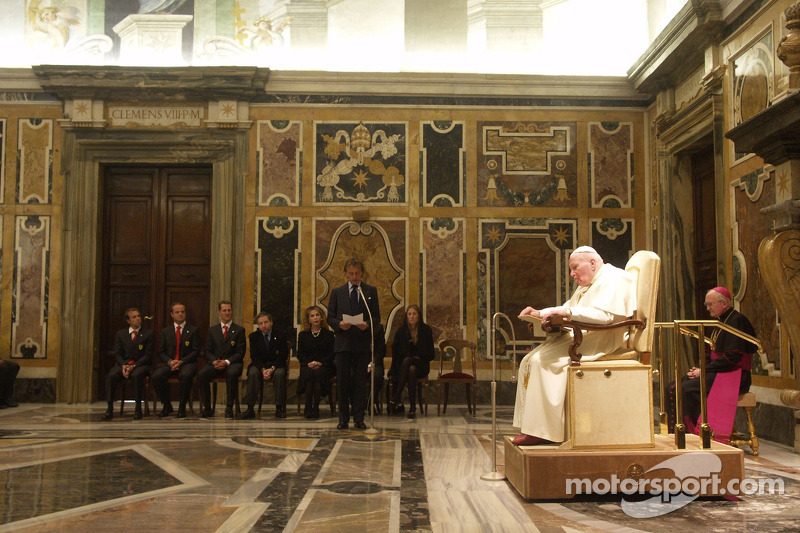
705,245
156,248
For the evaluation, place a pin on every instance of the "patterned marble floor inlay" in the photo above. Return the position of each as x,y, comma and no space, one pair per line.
61,470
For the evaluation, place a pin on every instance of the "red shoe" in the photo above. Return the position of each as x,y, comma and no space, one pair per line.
528,440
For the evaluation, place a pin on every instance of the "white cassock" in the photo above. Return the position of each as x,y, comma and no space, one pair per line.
539,408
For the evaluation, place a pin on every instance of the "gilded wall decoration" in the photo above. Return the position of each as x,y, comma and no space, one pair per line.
31,287
442,163
613,238
35,161
361,162
280,162
442,264
749,194
753,80
2,160
611,164
277,262
527,263
379,244
527,164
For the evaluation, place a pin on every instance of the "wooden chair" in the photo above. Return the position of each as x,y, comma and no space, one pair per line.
123,390
223,380
286,383
456,374
422,395
175,381
747,401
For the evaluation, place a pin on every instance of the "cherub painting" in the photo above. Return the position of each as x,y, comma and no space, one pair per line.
263,34
51,24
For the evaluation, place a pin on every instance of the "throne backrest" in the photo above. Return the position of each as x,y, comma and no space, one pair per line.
646,268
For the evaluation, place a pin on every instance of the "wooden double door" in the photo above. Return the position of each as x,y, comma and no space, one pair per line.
156,249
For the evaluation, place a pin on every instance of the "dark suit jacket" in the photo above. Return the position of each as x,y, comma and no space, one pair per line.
190,344
353,339
141,352
277,353
233,348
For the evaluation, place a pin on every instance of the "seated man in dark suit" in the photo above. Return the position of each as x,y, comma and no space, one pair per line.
268,354
225,348
180,347
133,350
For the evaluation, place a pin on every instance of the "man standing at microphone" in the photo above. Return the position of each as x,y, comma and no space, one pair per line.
352,340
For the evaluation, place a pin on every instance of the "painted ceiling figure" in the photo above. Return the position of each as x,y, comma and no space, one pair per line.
52,23
159,7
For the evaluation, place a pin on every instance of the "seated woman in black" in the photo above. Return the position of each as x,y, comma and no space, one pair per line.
412,353
315,353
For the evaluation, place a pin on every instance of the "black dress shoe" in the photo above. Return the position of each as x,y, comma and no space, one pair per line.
360,425
108,415
280,411
400,409
315,413
308,412
137,415
249,414
181,413
342,425
166,411
11,403
229,412
411,413
206,413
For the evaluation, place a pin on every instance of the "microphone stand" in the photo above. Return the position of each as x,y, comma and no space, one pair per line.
370,403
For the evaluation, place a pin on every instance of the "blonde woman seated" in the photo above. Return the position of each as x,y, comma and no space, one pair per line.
315,353
412,353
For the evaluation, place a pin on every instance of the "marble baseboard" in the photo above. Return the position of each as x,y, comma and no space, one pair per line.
35,390
774,423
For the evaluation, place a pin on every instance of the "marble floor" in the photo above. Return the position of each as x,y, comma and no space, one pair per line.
61,469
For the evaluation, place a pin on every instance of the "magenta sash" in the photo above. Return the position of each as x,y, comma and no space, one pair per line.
721,405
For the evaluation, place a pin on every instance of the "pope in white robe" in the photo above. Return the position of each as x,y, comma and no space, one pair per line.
605,294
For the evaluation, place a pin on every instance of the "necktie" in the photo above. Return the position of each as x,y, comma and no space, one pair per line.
177,343
354,298
266,341
224,332
134,334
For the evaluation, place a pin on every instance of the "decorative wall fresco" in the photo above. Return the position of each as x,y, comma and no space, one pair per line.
526,262
31,287
34,161
443,271
277,260
379,244
442,163
362,162
527,164
611,164
280,159
753,80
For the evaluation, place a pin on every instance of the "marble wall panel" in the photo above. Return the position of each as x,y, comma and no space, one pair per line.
611,164
526,263
527,164
379,244
277,280
3,130
360,162
443,257
749,194
442,163
30,292
280,159
613,238
35,161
